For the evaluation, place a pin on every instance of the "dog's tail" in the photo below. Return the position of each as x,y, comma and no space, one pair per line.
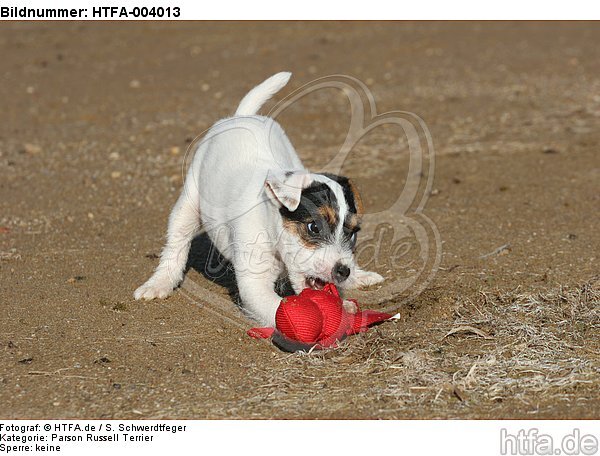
259,95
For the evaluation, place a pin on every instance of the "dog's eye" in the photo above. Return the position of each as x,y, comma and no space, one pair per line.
313,227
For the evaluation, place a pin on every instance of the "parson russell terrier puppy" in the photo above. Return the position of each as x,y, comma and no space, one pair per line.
265,212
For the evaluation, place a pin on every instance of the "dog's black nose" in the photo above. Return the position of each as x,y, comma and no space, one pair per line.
340,272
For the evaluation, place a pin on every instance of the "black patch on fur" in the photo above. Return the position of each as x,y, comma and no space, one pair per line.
313,197
344,182
347,189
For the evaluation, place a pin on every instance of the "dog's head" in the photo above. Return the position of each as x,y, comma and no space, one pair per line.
320,218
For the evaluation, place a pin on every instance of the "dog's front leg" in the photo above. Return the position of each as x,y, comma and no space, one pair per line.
362,278
184,224
259,299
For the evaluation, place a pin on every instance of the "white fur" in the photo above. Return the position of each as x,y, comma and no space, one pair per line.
258,96
244,170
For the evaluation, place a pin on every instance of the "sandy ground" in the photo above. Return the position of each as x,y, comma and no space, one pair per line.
96,119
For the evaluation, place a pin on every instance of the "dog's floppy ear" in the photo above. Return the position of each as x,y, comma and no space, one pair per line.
285,187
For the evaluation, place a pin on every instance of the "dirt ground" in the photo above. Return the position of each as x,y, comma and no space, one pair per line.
96,118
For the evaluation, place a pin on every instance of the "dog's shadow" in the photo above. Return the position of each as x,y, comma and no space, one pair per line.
205,258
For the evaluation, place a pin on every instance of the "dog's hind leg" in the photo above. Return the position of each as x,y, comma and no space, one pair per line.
184,225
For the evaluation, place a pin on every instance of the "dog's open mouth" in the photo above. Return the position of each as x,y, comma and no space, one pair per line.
315,283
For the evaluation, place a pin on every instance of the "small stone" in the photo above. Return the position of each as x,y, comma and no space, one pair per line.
30,90
218,95
135,84
114,156
205,87
90,216
175,150
115,174
32,149
75,279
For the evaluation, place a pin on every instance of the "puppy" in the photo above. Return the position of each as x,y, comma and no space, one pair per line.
264,211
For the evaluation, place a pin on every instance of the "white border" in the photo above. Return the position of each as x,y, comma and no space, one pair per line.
313,438
350,9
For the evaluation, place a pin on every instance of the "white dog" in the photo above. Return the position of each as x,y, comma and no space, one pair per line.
264,211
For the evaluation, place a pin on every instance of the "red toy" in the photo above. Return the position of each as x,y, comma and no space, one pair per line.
316,319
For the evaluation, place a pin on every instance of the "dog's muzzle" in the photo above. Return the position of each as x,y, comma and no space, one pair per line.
340,272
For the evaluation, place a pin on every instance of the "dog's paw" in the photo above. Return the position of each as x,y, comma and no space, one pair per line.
154,288
367,278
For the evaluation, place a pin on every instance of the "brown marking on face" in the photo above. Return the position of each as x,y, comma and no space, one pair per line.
299,230
352,221
357,199
330,216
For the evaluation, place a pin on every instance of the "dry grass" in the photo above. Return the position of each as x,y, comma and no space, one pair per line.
502,349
